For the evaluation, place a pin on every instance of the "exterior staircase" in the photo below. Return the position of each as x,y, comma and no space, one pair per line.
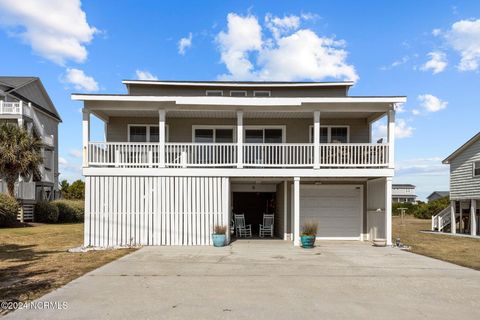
443,219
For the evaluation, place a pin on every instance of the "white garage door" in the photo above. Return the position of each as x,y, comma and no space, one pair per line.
338,210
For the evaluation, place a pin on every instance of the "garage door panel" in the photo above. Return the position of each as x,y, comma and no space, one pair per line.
338,210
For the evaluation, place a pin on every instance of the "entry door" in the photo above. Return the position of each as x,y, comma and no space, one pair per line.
337,208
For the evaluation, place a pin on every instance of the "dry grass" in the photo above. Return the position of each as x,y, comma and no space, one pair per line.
34,260
458,250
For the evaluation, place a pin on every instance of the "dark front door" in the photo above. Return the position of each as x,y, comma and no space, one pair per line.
254,205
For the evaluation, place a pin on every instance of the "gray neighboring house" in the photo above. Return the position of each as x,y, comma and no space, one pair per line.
24,101
435,195
464,191
403,193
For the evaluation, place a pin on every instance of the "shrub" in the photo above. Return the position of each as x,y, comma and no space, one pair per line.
69,210
427,210
218,229
309,228
46,212
8,210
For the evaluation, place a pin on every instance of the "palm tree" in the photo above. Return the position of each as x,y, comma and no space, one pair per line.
20,154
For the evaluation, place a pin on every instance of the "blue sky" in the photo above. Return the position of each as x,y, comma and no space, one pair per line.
426,50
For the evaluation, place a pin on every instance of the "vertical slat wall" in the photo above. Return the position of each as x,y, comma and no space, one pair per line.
121,211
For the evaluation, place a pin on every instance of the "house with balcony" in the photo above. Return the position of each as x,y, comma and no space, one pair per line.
463,214
182,156
404,193
25,102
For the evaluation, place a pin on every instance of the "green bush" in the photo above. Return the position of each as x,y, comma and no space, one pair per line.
69,210
427,210
8,210
46,212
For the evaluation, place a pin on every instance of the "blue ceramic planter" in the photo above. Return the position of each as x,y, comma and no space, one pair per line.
308,242
218,240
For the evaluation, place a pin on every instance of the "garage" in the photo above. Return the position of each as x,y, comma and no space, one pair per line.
337,208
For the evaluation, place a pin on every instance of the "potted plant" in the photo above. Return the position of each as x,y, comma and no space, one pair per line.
308,234
219,235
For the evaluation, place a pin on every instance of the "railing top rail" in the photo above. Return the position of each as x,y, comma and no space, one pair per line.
122,143
246,143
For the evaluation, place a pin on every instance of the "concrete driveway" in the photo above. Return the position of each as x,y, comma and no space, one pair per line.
269,280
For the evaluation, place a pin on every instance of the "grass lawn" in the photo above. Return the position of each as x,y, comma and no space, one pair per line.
458,250
34,260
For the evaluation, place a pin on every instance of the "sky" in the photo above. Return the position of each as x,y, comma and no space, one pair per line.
428,51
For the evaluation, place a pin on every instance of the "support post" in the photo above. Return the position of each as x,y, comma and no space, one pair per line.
285,208
226,194
473,217
453,223
85,134
296,210
391,139
161,138
388,210
239,139
316,139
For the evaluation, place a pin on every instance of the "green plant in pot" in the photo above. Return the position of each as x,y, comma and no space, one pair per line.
308,234
219,236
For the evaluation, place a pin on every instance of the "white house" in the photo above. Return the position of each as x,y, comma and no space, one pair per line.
25,102
464,191
181,156
404,193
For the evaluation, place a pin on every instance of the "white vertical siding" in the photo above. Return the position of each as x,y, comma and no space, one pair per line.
123,211
375,201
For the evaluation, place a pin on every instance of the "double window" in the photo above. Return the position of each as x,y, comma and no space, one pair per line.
332,134
209,134
264,135
144,133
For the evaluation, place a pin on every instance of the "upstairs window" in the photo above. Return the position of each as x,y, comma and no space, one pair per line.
238,93
262,93
332,134
145,133
476,169
214,93
213,135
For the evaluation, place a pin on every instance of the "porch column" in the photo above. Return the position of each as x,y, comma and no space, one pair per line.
473,218
161,138
20,119
391,138
85,134
105,130
453,223
388,210
285,208
239,139
296,211
316,139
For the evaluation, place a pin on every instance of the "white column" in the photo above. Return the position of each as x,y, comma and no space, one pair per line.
296,211
105,130
20,119
473,218
161,138
391,139
226,205
453,224
285,208
316,139
239,139
85,135
388,210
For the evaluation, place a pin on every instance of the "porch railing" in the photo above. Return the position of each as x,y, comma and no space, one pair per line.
281,155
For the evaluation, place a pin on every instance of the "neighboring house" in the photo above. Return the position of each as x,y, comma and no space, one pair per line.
182,156
435,195
403,193
25,102
464,191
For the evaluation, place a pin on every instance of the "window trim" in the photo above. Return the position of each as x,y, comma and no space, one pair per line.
329,133
263,91
237,91
474,168
148,131
214,127
209,91
262,127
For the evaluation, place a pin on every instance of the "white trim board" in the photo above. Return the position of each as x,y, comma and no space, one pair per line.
240,84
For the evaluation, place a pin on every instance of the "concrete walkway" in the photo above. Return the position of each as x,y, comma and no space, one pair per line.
269,280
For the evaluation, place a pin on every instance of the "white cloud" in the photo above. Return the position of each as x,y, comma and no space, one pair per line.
464,37
436,32
55,29
421,166
437,62
402,130
415,112
145,75
80,80
292,53
76,153
184,44
430,103
62,161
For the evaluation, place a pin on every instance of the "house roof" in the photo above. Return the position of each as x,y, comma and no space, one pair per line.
406,185
440,193
239,83
31,90
457,152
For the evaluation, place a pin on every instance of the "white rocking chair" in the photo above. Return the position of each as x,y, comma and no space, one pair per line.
242,229
266,228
